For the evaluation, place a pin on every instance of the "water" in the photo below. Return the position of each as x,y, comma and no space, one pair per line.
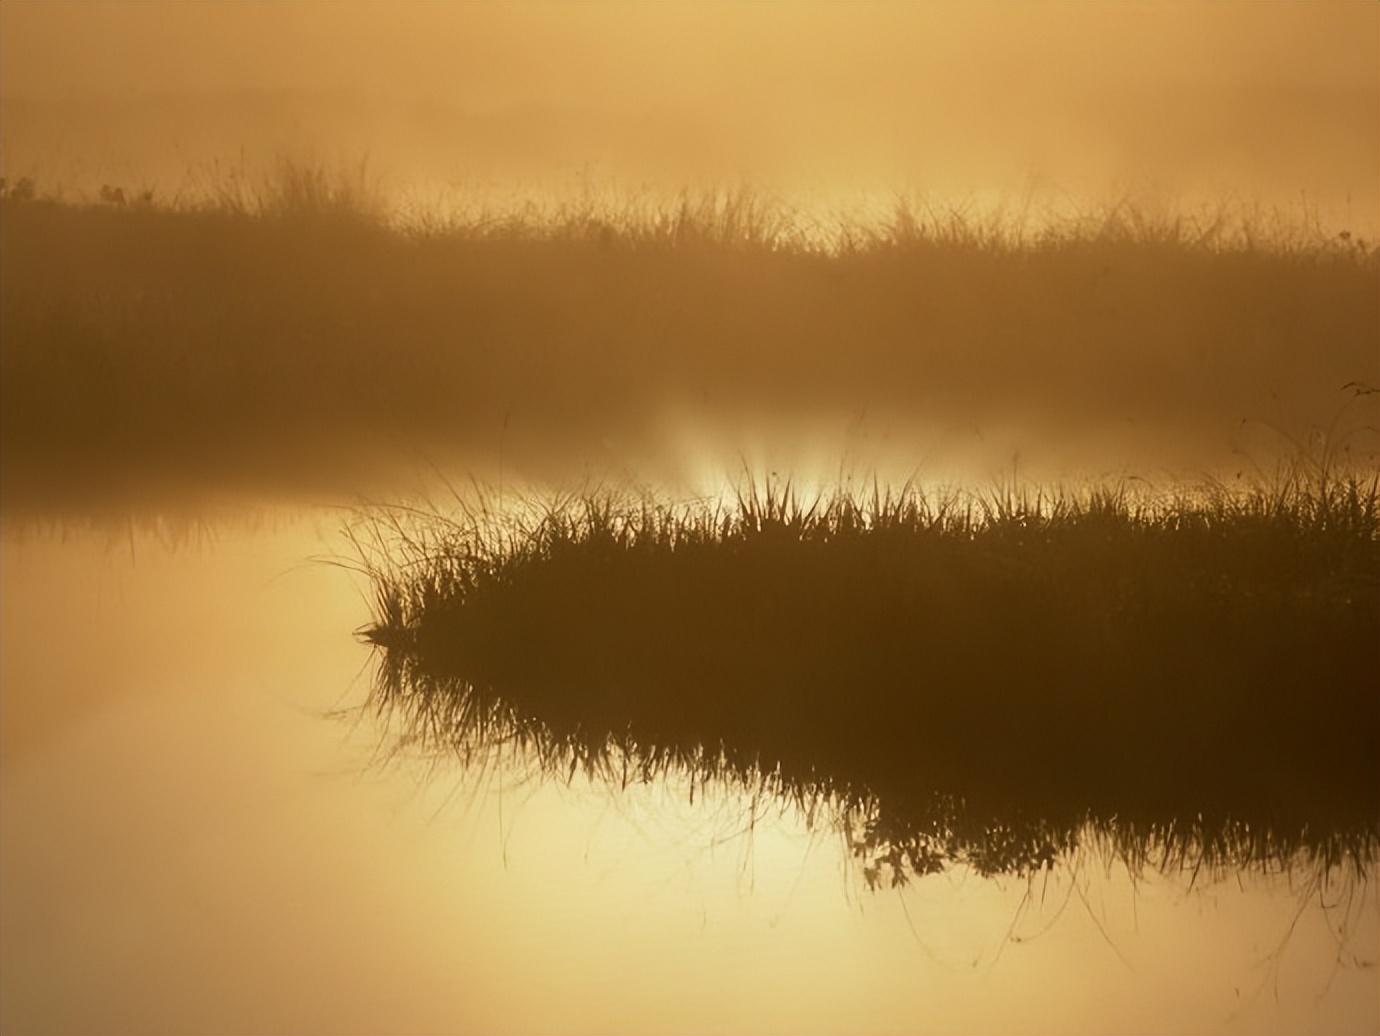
201,831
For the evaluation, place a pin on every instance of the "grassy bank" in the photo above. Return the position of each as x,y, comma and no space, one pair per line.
984,678
289,330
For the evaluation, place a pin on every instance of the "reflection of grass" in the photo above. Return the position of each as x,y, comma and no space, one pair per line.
981,678
296,320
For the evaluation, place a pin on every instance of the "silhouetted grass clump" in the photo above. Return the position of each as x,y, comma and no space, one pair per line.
987,678
285,330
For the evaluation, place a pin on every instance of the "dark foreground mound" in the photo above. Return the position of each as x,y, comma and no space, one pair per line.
984,678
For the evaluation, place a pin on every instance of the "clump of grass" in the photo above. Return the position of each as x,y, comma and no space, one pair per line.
978,677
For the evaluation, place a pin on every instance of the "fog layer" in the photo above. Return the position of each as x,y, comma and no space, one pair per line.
963,102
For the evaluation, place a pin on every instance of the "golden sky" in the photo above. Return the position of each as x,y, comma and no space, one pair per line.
889,55
1268,102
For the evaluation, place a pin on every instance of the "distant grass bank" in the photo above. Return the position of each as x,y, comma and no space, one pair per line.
291,329
973,678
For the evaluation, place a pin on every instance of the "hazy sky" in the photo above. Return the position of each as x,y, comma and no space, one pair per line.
1256,100
635,54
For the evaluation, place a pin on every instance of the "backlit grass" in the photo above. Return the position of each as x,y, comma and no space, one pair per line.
987,678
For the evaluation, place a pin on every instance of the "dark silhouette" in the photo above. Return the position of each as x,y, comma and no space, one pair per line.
985,679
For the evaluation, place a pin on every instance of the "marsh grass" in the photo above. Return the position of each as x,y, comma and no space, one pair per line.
301,323
987,678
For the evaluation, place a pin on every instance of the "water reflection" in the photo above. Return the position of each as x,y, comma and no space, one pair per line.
187,844
898,828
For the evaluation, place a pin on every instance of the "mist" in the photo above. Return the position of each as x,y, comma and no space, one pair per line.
1046,104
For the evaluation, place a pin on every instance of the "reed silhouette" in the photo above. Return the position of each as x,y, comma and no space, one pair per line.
990,678
290,332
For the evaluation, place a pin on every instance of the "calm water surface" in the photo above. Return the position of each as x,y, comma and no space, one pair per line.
192,842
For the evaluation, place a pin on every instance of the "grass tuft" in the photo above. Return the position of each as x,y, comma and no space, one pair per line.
988,677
